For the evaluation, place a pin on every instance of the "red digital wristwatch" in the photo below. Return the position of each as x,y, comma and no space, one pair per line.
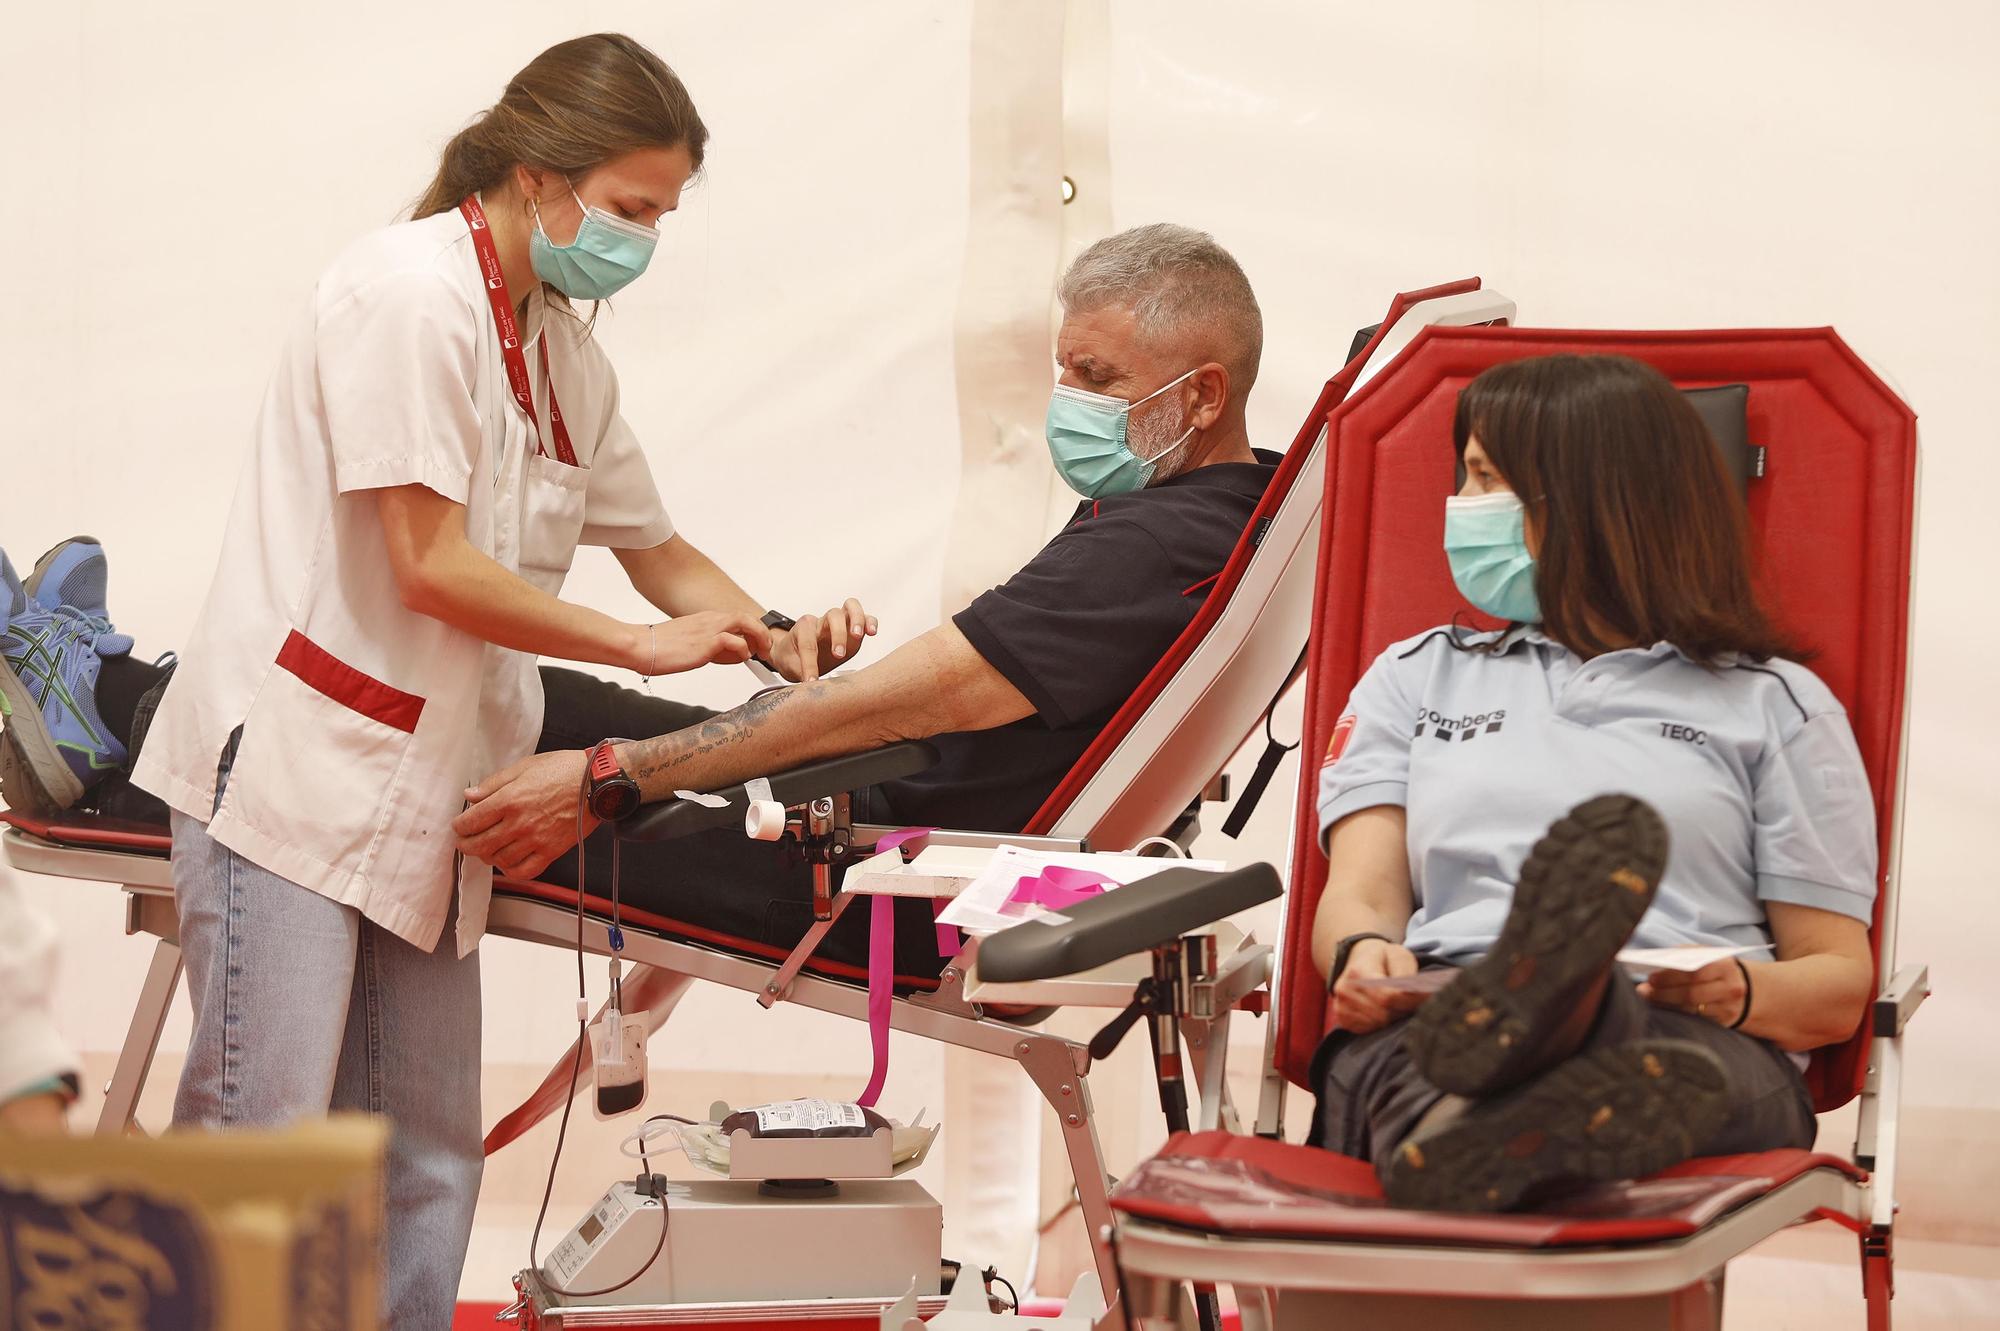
613,795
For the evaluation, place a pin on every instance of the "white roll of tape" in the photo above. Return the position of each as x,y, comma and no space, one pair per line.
764,820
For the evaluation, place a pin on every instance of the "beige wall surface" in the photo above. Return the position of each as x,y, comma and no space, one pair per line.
1695,165
798,359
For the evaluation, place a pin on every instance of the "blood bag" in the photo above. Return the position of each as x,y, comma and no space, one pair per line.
805,1118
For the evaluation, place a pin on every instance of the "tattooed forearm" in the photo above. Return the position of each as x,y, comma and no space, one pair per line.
769,733
931,685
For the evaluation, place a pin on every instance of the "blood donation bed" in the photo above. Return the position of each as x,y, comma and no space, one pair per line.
1149,768
1829,456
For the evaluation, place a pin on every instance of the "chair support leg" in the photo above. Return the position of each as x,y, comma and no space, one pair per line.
1156,1304
1208,1043
1878,1274
142,1040
1271,1091
1052,1064
1698,1307
780,986
1256,1308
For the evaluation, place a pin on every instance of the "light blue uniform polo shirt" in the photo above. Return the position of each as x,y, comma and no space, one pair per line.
1752,765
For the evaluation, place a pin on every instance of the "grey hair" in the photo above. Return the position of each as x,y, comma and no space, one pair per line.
1176,281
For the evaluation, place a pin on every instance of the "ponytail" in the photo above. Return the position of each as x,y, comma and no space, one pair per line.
468,165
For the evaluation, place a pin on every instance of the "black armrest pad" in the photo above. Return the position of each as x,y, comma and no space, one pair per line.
831,776
1129,919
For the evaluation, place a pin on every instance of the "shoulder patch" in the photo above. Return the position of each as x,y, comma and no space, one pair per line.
1343,730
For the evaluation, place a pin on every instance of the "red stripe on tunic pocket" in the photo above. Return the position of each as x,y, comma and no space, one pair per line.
358,692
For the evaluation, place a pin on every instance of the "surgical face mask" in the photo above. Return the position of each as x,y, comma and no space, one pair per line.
1486,541
608,253
1087,435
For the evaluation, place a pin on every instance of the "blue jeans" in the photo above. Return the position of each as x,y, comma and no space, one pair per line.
301,1005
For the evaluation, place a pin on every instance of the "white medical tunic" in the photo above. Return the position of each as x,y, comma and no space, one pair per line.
1752,765
363,721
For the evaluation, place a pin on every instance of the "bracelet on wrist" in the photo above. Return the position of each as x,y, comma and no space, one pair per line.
1743,1013
1344,948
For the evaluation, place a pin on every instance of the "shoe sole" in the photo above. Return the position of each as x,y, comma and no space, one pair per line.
33,775
1581,891
1617,1113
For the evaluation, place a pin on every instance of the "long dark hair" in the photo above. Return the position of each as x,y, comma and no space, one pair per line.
1643,533
574,107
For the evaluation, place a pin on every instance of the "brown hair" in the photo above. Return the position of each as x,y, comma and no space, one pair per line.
1644,536
574,107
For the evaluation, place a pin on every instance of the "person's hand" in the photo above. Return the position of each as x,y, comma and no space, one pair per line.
708,637
1715,991
42,1115
522,817
817,644
1359,1009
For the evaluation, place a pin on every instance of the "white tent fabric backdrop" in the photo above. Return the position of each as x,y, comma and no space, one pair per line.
840,359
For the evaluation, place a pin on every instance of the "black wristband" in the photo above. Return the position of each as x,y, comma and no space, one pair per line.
778,622
1345,946
1743,1014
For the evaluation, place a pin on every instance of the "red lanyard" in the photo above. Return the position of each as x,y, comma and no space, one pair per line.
510,337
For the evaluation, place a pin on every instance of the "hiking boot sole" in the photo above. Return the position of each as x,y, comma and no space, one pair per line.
1581,891
33,775
1617,1113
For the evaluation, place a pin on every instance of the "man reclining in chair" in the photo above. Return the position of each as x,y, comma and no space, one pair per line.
1158,348
1719,799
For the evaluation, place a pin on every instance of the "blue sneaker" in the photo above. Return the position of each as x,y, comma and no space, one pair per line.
49,661
76,574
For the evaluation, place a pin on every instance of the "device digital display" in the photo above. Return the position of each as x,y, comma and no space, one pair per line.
590,1228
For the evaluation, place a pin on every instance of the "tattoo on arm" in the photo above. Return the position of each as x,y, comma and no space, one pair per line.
654,763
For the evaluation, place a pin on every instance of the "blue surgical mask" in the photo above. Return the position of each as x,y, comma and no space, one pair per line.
1087,438
1485,539
608,252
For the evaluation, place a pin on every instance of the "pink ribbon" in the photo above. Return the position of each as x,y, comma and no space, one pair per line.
895,840
949,940
1058,887
881,990
882,968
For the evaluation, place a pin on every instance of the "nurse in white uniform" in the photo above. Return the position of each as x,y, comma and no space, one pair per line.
441,434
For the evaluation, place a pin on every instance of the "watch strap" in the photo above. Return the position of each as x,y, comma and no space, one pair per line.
612,794
1343,949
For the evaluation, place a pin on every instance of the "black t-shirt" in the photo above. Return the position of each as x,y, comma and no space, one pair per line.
1076,630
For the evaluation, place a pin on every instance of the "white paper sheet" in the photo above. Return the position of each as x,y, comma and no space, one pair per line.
1643,961
981,907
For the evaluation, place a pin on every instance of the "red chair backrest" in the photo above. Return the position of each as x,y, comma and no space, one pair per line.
1231,575
1832,525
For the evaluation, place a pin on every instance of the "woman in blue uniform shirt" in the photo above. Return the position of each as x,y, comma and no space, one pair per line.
1720,800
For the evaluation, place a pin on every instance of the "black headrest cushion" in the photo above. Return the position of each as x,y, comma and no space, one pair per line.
1724,409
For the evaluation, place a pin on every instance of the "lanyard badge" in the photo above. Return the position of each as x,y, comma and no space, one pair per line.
510,337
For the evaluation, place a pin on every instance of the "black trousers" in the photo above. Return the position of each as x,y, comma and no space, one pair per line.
718,880
1371,1094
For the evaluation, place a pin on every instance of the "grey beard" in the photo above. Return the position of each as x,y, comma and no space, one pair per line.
1153,436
